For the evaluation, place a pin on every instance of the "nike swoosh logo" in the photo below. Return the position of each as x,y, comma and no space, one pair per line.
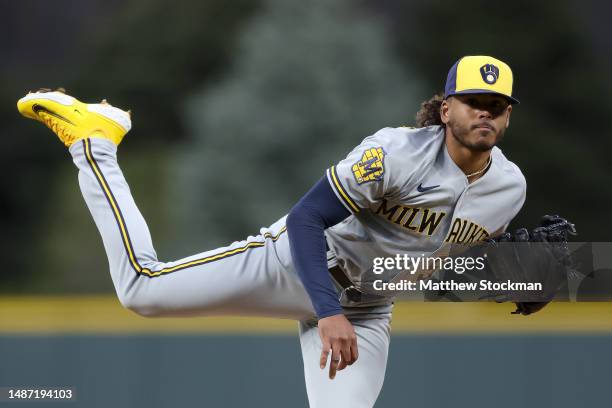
422,189
37,108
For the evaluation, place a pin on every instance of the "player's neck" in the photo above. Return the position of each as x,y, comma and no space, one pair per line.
468,160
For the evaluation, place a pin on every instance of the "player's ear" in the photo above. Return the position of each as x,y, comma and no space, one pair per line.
509,111
444,111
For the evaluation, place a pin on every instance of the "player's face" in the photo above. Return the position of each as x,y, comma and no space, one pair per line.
478,122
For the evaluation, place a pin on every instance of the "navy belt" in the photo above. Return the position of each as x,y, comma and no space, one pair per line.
339,276
352,293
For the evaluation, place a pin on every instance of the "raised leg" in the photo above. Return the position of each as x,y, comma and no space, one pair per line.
251,277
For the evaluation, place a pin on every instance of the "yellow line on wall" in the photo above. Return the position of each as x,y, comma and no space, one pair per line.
495,318
40,315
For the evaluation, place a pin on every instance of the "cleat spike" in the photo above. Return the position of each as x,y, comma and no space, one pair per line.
61,89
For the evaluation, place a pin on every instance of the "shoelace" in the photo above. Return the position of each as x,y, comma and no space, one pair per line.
64,134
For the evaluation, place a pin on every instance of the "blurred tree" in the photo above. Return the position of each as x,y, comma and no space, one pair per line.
146,55
156,53
29,156
310,81
307,83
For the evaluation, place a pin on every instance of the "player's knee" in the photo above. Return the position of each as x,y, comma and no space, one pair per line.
141,305
144,311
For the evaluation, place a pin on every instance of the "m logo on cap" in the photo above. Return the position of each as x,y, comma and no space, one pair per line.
489,73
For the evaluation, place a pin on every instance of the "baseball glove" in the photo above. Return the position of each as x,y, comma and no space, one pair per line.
540,256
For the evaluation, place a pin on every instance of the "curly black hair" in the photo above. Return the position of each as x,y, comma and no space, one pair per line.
429,114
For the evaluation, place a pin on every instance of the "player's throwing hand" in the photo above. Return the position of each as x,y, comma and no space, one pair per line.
337,334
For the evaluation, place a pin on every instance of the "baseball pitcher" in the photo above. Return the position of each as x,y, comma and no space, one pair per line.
401,191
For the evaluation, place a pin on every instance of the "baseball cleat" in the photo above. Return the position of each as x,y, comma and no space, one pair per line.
72,120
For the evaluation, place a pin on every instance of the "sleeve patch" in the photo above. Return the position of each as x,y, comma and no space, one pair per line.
370,167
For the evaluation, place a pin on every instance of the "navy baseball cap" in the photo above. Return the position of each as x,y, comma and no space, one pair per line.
478,74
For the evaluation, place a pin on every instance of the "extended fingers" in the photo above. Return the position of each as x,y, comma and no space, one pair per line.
335,362
354,349
349,354
338,335
324,354
347,357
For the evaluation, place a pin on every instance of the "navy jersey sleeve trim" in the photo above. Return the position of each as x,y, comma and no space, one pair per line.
317,210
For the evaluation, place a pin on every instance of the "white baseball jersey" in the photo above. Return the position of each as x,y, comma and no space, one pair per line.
407,196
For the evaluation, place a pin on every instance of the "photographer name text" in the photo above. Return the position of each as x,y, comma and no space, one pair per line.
451,285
